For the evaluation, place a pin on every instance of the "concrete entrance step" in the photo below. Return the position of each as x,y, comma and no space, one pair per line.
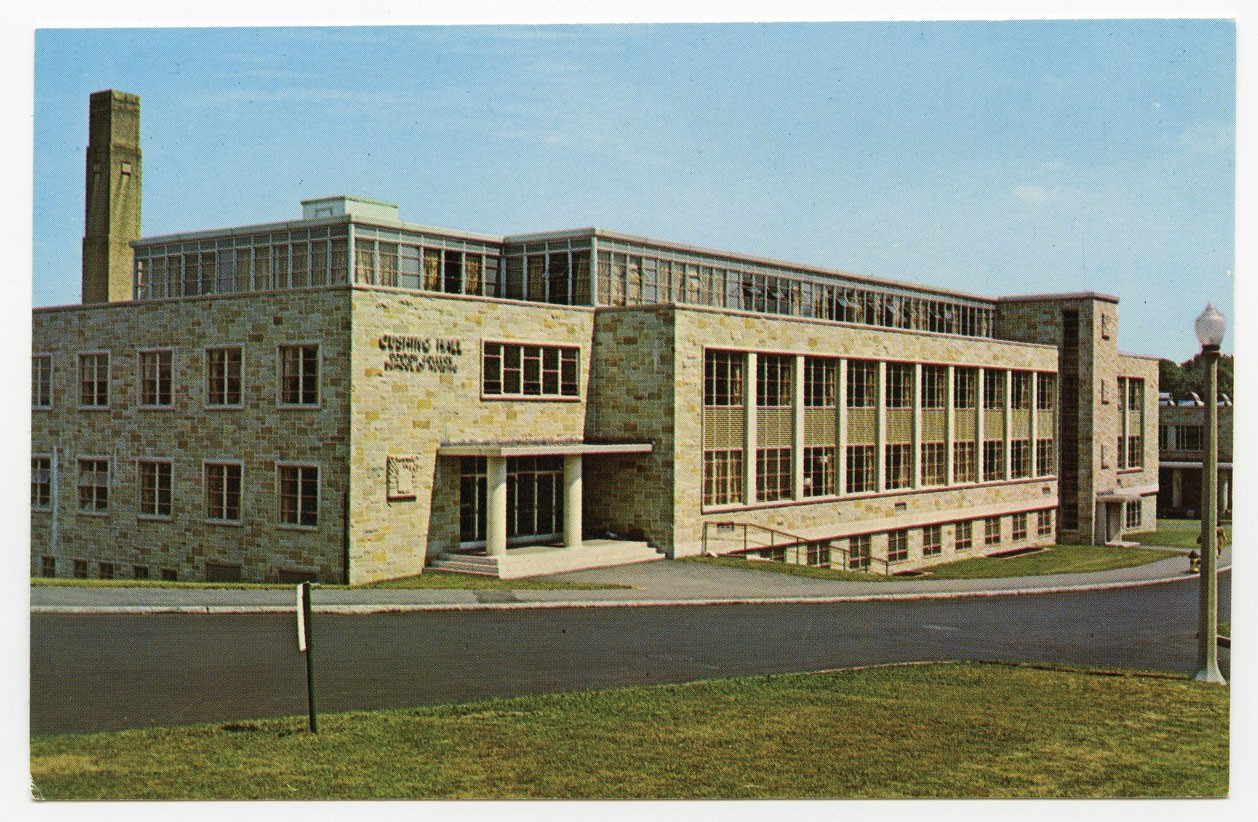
540,560
1120,543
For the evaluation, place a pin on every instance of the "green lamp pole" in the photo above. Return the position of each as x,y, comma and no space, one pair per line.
1210,328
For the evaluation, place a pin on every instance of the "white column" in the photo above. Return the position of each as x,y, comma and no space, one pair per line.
880,426
496,502
840,450
980,429
950,426
797,429
572,497
917,425
751,418
1177,487
1008,425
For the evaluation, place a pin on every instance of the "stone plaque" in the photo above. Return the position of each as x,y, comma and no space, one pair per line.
402,473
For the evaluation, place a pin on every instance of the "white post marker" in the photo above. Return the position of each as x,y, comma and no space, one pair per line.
303,645
301,618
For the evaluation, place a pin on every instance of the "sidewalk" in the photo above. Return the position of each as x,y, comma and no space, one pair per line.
653,583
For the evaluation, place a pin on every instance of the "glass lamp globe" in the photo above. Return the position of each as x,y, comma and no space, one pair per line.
1210,327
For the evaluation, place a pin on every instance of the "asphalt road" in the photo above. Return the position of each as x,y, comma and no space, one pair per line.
97,672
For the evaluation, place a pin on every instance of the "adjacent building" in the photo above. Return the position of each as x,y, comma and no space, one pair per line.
1181,450
350,397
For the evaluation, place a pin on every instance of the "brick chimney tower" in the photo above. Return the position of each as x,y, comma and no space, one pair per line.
112,217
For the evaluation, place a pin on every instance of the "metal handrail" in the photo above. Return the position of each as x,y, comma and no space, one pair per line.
789,541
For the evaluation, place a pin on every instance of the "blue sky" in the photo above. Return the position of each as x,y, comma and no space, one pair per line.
996,158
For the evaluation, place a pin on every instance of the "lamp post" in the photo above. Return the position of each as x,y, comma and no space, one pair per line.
1210,327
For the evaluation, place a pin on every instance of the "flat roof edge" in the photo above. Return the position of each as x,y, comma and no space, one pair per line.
1073,295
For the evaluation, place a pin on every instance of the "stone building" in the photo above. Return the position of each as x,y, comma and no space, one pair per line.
350,397
1181,449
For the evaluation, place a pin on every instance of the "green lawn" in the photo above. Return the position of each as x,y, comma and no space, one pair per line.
938,730
1062,559
1176,533
432,579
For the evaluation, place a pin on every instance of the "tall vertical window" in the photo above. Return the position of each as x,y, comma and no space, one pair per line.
93,486
1044,457
993,389
993,460
899,385
860,468
773,381
41,483
1135,451
965,535
1044,525
934,468
222,491
991,531
858,552
964,462
1135,394
819,382
1020,390
932,540
1135,513
94,380
41,381
934,386
862,384
1019,527
156,379
299,495
897,546
299,375
723,378
1020,459
1046,391
723,477
899,465
965,387
155,487
224,376
819,471
773,474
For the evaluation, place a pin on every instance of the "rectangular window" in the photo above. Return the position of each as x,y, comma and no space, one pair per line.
1135,395
41,381
819,375
773,381
897,546
964,462
899,465
1020,459
1044,457
140,571
723,378
993,460
106,570
858,552
80,569
1044,525
932,540
170,575
1020,390
899,385
1046,391
1190,438
991,531
299,495
155,487
224,376
723,477
934,386
964,388
47,566
862,384
1135,451
94,380
819,554
860,469
93,486
773,474
819,471
299,375
1019,527
41,483
520,371
993,389
934,468
222,491
965,536
1135,513
1164,437
156,379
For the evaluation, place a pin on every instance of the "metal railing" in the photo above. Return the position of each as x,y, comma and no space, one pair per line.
726,538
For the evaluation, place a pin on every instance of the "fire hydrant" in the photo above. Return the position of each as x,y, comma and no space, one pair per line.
1194,563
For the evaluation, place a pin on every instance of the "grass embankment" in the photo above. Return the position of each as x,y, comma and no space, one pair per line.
428,580
1176,533
940,730
1061,559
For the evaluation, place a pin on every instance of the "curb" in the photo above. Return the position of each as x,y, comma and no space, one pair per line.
382,608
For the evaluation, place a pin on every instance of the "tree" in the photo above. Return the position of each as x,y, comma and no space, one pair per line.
1191,375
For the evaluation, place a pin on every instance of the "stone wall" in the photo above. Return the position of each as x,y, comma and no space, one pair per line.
259,434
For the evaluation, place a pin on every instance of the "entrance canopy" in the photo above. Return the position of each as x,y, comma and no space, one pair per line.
540,448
